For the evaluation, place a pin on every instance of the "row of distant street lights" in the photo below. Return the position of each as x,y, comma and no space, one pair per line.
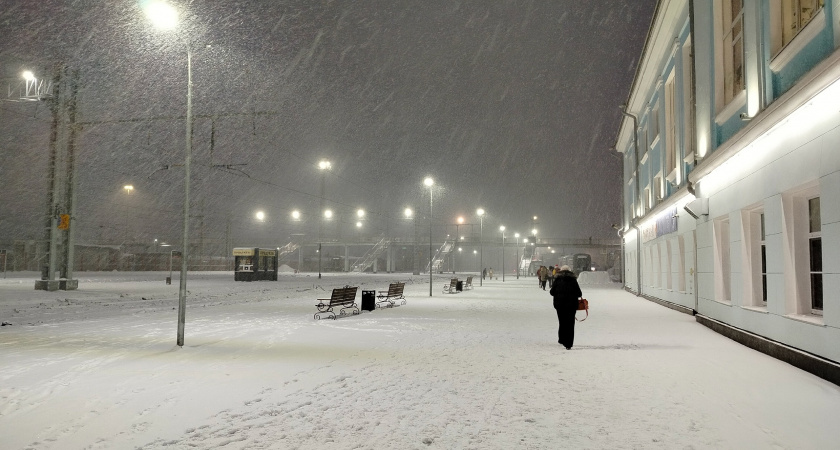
165,17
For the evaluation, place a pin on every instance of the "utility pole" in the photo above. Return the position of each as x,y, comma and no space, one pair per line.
61,179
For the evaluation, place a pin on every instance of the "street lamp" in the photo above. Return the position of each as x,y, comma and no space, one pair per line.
165,17
260,215
480,213
475,261
527,269
518,262
128,188
324,166
429,182
458,223
502,229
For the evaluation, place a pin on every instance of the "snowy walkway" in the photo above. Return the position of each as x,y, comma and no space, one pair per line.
98,369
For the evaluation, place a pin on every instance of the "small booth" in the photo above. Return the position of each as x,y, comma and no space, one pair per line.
255,264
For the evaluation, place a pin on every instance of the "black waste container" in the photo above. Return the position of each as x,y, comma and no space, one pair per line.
368,300
459,286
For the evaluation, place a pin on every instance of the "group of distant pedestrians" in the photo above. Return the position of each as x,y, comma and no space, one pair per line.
547,275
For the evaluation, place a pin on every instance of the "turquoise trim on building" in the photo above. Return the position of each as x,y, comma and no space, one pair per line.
814,52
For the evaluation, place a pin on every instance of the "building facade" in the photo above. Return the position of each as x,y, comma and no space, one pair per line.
731,148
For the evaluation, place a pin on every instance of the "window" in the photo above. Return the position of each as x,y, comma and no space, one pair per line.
802,234
681,279
763,243
732,48
815,255
658,188
653,124
788,18
755,258
671,131
688,102
668,284
723,269
659,267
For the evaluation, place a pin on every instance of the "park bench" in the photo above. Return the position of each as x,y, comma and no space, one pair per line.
468,283
452,287
343,298
389,297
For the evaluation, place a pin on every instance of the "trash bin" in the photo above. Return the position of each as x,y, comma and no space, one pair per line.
459,286
368,300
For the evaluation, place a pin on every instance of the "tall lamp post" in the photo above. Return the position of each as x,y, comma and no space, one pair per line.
480,213
502,229
323,166
165,17
409,214
458,223
518,262
475,261
429,182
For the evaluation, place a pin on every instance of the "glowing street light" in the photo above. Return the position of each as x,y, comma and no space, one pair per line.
128,188
458,223
296,215
28,75
328,214
165,17
260,215
161,14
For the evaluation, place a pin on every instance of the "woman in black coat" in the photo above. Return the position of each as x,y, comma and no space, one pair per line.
566,292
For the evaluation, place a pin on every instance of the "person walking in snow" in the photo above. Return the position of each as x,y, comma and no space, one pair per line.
566,292
484,273
491,273
542,273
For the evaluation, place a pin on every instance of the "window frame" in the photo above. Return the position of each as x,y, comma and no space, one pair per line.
723,260
670,145
815,235
729,43
786,12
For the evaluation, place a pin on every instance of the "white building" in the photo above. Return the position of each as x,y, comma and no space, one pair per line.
731,145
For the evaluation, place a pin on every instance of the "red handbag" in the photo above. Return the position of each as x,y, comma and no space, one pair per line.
583,305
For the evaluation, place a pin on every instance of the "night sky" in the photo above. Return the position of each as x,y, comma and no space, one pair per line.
509,105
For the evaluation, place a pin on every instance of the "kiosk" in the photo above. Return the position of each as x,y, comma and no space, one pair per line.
254,264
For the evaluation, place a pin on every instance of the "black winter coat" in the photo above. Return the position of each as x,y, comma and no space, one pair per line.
565,291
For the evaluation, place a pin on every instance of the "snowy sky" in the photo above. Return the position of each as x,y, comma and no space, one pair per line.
509,105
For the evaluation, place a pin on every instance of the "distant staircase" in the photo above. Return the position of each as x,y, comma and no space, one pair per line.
370,257
286,249
440,256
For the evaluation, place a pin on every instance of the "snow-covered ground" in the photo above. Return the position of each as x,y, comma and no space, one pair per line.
98,368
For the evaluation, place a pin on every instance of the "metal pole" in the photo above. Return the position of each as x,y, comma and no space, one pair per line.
503,256
182,291
518,261
457,238
430,241
321,220
481,256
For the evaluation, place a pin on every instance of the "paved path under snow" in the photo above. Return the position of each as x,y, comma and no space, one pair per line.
98,369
